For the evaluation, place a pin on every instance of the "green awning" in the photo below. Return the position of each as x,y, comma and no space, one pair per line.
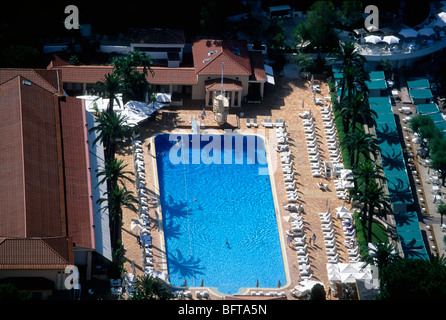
376,84
420,93
427,108
436,117
377,75
418,84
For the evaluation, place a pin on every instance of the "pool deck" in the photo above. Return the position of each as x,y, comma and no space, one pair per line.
282,101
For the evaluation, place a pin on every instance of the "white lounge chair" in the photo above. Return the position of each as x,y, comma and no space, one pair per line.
316,173
333,259
279,123
290,207
248,122
254,123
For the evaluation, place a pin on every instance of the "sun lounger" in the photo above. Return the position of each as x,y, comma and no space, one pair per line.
309,129
290,207
316,173
267,123
304,115
254,122
248,122
279,123
333,259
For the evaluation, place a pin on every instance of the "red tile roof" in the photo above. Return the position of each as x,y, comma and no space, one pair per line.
47,79
228,85
44,162
29,161
35,253
209,55
77,176
93,74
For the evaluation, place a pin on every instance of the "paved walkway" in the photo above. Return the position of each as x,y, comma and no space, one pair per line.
283,101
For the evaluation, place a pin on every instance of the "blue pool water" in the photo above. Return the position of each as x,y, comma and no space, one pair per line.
204,205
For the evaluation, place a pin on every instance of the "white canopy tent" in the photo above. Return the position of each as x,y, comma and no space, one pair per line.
134,111
350,272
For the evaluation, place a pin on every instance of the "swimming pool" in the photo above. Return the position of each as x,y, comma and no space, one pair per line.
218,219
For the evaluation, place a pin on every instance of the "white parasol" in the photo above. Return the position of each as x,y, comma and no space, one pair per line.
373,39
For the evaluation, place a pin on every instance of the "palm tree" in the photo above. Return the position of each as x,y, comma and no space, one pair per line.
111,127
441,209
381,255
114,171
109,88
360,143
371,197
355,109
348,55
366,172
135,84
117,199
353,80
149,288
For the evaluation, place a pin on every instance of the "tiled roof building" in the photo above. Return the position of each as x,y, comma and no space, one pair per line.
46,213
243,72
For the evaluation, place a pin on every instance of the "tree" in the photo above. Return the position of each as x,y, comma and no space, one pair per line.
360,143
274,35
149,288
116,199
347,54
20,56
9,291
352,13
355,109
109,88
318,26
441,209
382,255
135,85
111,127
317,292
114,171
409,279
353,78
375,197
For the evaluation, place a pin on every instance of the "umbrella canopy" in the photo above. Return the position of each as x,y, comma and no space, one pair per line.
442,16
135,227
290,218
391,39
163,97
373,39
348,268
426,32
408,33
347,278
342,209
